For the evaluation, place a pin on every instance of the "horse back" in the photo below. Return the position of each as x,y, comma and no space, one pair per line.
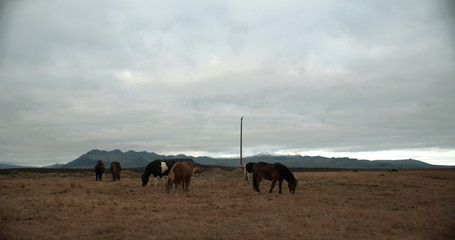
181,170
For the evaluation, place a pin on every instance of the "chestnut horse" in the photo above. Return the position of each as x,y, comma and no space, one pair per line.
181,172
115,170
274,172
99,170
197,170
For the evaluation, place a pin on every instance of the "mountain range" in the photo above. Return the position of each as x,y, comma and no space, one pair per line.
133,159
7,166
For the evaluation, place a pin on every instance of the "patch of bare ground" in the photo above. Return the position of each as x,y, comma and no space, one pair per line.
221,205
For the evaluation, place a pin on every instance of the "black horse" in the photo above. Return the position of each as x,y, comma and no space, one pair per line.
248,170
115,170
157,168
99,170
274,172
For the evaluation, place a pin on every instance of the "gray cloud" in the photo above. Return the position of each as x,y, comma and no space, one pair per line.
334,76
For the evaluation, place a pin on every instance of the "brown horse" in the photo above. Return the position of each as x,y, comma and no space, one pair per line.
197,170
115,170
274,172
99,170
181,172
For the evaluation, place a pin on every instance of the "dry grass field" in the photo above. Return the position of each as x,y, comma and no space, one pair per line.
221,205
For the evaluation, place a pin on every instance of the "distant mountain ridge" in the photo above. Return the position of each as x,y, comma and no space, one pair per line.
133,159
9,166
130,159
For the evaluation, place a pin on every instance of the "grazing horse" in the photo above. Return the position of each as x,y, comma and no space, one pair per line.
115,170
99,170
248,170
181,172
197,170
274,172
157,168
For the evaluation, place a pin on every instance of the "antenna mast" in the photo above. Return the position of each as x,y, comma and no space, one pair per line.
241,126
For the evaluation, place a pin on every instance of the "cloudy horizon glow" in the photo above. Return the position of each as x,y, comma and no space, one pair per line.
363,79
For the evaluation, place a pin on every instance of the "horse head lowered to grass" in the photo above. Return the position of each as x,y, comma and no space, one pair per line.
274,172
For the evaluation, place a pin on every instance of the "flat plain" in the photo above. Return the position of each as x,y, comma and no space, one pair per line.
413,204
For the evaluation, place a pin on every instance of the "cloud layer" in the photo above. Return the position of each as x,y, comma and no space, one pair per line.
175,77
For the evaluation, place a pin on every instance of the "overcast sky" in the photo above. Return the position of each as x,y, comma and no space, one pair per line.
366,79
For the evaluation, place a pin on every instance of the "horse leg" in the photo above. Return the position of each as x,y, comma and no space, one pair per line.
273,185
256,181
280,183
156,181
163,178
183,184
188,181
187,185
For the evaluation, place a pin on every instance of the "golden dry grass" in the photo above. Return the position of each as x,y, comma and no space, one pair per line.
221,205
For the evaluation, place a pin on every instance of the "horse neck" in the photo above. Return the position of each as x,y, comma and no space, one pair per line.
171,176
290,177
148,171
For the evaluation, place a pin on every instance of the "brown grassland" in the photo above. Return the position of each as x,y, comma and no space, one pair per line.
221,205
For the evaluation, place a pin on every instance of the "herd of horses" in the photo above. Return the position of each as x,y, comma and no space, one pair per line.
180,173
115,170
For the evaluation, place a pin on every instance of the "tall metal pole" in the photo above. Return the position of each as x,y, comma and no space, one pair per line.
241,127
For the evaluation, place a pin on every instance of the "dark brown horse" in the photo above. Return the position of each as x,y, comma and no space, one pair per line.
274,172
115,170
180,173
99,170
